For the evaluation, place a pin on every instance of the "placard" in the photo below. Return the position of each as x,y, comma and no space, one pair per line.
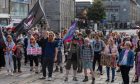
34,51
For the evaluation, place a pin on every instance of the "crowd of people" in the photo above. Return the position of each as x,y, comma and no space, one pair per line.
81,53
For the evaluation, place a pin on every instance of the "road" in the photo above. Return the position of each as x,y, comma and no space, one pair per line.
27,77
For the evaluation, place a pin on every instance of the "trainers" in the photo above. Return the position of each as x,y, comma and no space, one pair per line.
66,79
42,77
56,70
86,79
61,70
75,79
14,71
118,70
50,79
93,81
19,71
107,80
12,74
112,81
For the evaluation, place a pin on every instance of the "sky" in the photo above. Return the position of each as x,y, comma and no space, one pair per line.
83,0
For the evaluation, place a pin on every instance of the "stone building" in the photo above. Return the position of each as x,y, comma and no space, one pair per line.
59,13
121,13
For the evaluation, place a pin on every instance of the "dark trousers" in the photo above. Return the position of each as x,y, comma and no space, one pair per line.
25,56
33,59
125,74
97,57
48,63
108,72
80,65
17,63
2,60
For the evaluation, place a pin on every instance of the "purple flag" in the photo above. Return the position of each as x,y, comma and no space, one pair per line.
70,33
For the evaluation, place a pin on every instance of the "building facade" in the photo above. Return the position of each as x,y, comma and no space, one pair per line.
59,13
121,13
18,9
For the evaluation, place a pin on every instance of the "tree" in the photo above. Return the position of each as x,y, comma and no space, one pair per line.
96,12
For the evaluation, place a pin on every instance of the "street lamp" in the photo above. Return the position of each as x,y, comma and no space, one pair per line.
111,14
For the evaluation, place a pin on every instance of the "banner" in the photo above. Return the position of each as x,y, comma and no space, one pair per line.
34,16
34,51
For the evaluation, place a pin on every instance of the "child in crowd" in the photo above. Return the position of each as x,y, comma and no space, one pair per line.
17,57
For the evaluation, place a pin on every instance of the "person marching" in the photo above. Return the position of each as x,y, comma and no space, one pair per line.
33,58
72,59
137,63
98,46
59,56
10,48
50,55
17,57
112,51
126,61
87,59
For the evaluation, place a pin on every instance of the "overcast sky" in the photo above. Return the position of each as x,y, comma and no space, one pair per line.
83,0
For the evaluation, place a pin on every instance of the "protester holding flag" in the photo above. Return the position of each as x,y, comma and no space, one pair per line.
33,57
10,48
50,55
73,59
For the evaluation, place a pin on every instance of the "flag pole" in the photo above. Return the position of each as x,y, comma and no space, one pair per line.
60,19
42,8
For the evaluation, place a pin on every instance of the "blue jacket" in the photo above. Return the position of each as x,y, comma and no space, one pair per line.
130,58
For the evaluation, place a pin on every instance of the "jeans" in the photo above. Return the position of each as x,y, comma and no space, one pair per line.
35,59
97,57
9,62
47,62
108,72
17,63
125,73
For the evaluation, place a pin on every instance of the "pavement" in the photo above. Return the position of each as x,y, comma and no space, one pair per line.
27,77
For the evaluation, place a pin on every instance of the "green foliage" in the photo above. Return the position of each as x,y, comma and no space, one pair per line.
97,11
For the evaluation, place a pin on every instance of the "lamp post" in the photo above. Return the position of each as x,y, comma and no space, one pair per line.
111,14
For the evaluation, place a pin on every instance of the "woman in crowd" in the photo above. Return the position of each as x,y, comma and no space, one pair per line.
59,56
126,61
72,59
98,46
137,63
111,51
10,48
87,59
33,58
50,55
